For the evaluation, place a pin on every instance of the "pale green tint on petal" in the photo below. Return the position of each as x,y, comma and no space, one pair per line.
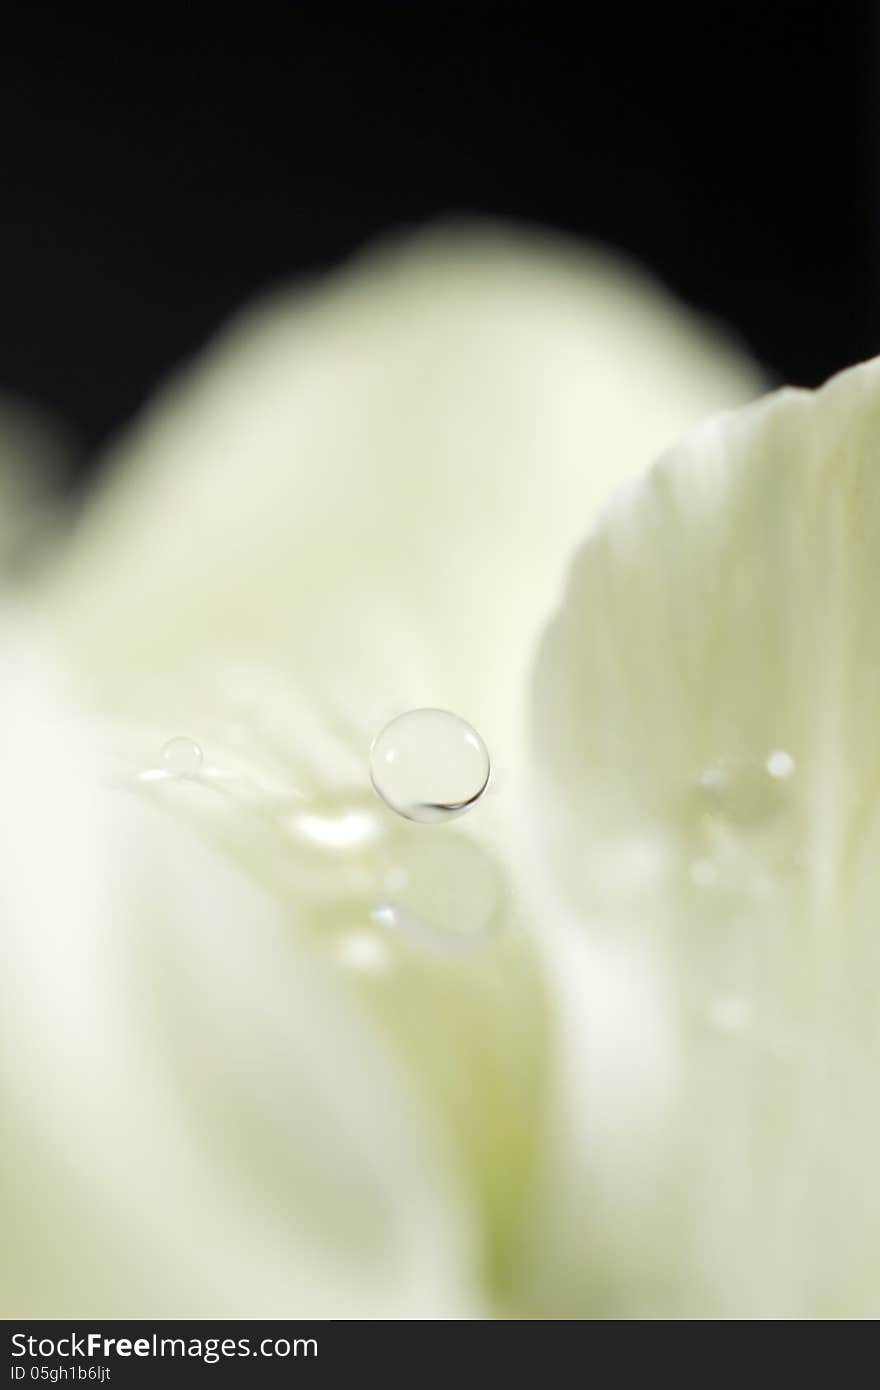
361,501
197,1123
723,613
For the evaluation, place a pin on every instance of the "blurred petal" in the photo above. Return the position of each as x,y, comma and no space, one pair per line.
198,1123
704,730
360,502
376,486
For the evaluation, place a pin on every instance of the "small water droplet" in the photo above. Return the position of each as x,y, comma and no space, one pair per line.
429,765
182,757
746,791
780,765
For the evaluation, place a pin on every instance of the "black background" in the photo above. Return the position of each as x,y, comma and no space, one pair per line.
157,174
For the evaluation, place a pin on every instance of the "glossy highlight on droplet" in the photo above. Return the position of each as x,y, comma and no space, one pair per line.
780,765
429,765
181,757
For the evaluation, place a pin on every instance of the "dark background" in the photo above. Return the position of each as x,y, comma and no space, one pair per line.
155,176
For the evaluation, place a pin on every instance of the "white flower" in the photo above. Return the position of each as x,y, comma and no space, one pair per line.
705,705
240,1089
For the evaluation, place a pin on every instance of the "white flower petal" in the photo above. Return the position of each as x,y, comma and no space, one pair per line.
705,734
197,1122
361,502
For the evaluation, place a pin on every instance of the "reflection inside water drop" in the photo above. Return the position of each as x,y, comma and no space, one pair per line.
429,765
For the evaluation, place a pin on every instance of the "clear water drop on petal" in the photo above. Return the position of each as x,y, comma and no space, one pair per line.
182,757
429,765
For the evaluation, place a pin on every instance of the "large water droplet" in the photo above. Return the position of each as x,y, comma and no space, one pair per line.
181,757
429,765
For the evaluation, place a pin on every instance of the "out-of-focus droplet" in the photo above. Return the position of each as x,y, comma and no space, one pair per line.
429,765
780,765
746,791
182,757
447,901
